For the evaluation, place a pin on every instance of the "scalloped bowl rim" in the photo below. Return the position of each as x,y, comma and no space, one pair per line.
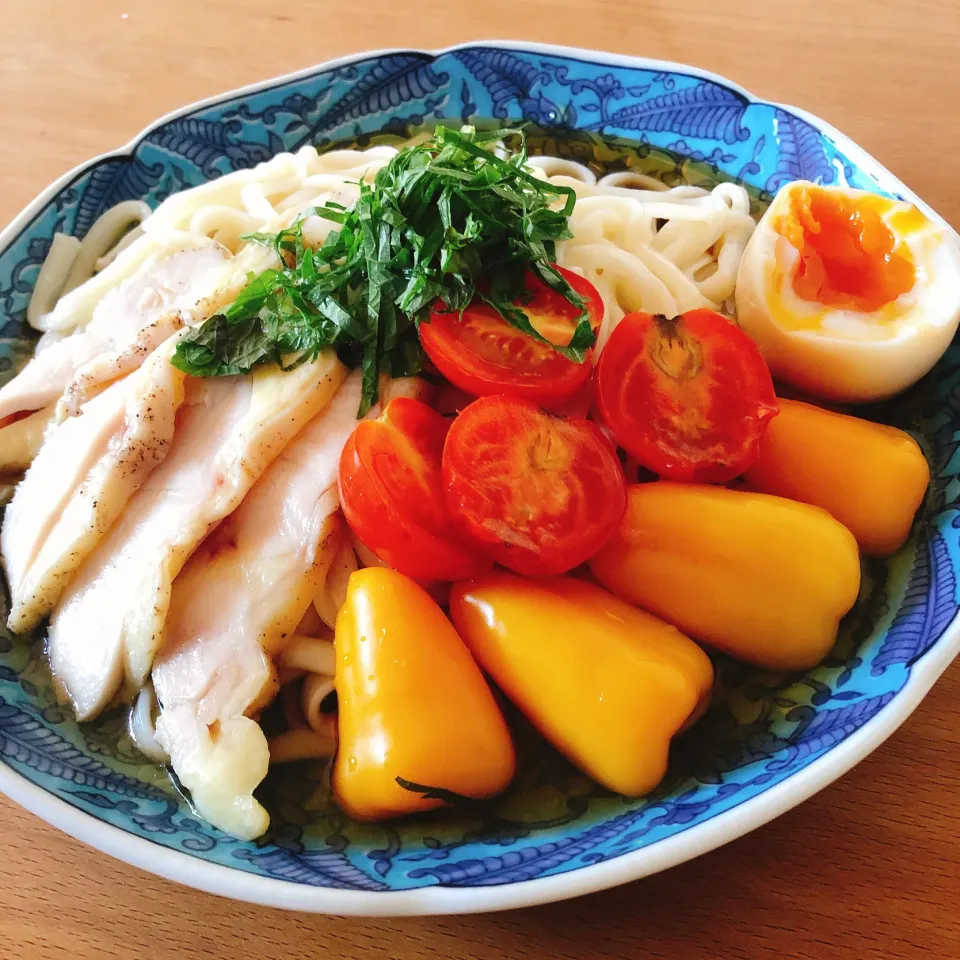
435,900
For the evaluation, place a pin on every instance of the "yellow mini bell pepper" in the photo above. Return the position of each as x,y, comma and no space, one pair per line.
871,477
762,578
412,703
605,683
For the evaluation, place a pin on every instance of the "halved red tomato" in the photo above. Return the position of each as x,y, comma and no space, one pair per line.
687,397
392,496
483,354
541,494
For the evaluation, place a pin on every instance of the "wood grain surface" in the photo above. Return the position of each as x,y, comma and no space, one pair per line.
868,869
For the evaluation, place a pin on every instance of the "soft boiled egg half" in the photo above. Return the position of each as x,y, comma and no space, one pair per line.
850,296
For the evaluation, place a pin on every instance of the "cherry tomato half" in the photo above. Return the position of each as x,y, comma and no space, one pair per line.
541,494
483,354
392,497
687,397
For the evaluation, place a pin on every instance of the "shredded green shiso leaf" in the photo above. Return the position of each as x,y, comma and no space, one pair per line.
441,218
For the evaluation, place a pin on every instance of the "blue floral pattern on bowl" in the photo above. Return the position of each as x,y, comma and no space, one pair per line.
763,729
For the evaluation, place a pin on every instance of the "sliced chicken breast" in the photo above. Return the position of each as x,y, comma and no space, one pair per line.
213,288
128,324
233,608
108,624
85,472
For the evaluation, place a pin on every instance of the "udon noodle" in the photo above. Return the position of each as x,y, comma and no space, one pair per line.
643,246
647,247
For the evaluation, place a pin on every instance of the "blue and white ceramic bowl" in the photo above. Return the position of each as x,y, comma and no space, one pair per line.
768,743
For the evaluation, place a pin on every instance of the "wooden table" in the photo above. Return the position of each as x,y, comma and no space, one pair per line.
868,869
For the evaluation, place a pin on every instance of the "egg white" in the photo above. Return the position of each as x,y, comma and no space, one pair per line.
841,354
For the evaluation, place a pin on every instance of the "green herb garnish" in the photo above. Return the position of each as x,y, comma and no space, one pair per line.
442,217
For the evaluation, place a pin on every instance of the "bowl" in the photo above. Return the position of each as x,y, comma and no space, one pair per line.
769,741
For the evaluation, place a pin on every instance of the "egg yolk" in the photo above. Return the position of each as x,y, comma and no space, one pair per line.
849,258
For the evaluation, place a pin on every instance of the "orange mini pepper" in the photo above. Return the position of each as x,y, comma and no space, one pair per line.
608,685
413,705
762,578
871,477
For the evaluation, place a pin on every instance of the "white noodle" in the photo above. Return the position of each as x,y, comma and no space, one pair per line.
312,654
332,592
646,247
132,235
316,688
106,231
630,178
224,224
366,557
143,727
301,744
414,388
311,625
555,167
52,277
272,193
292,707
